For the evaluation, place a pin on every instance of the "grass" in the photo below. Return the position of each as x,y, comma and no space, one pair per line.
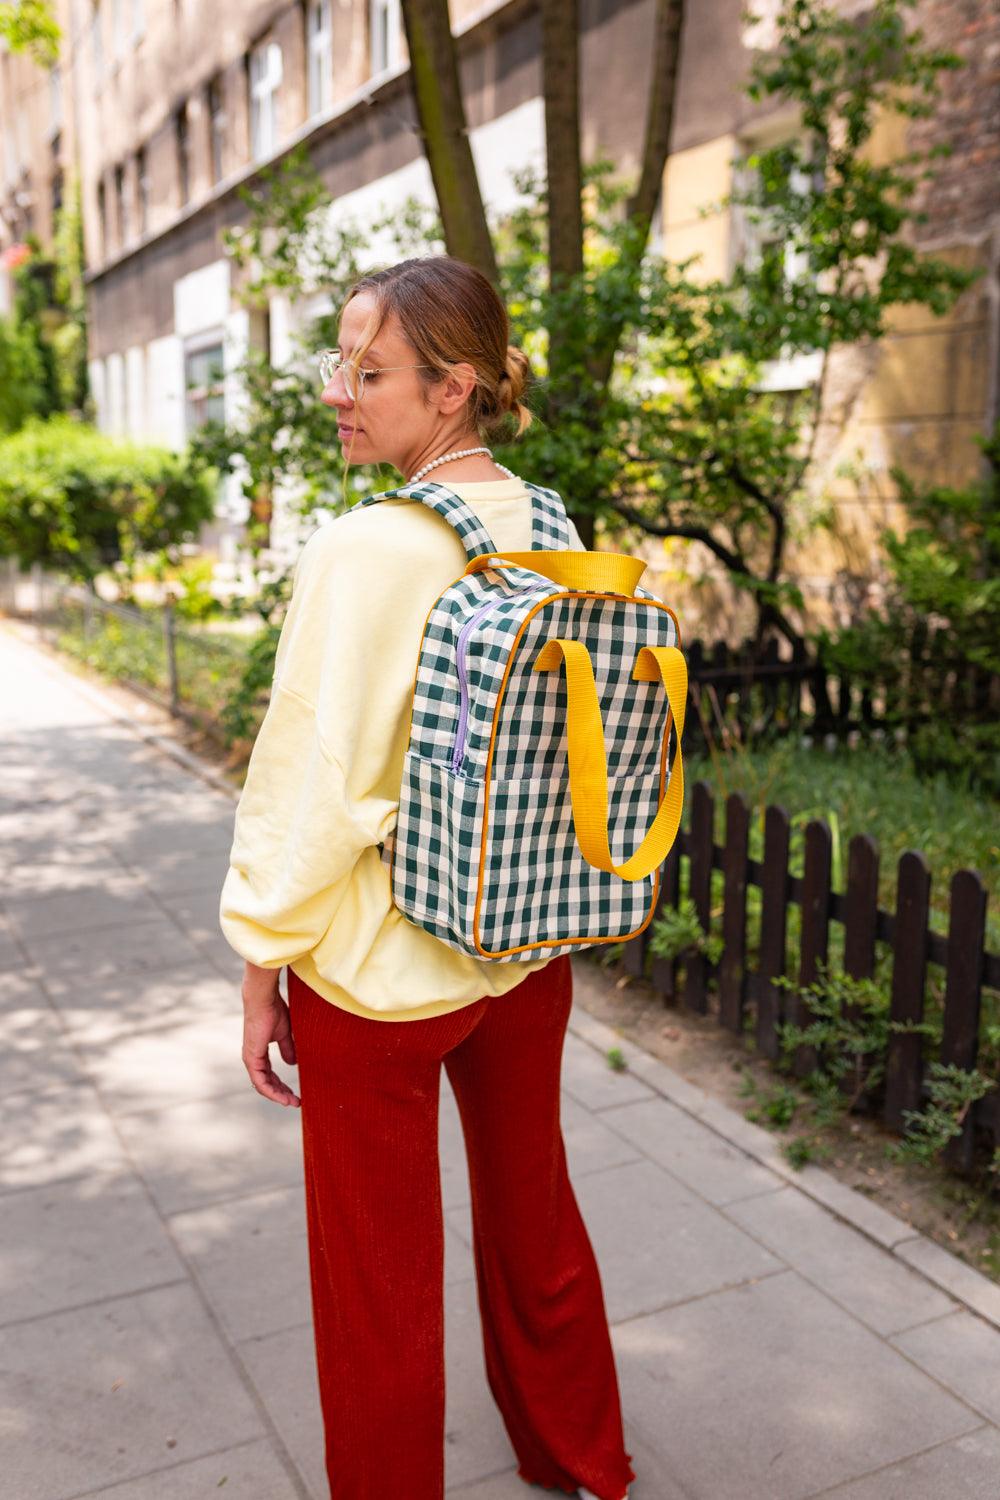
871,789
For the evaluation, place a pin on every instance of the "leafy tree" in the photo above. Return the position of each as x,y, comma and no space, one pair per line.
43,343
280,433
21,374
651,403
29,26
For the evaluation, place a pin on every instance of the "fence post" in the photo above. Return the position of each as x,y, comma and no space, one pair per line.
170,643
815,930
773,927
700,851
860,922
963,993
904,1069
663,974
732,969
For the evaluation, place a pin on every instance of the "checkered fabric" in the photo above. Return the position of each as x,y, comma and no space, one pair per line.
497,832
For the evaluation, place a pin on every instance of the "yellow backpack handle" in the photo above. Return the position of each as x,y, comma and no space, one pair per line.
588,764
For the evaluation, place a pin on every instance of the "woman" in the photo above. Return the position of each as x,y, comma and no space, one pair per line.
422,375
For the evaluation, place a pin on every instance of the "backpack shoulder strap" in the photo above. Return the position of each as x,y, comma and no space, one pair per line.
549,525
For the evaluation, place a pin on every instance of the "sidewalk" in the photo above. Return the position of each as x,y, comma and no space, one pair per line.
777,1335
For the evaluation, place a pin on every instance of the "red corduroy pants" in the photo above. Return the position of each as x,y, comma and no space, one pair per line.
370,1092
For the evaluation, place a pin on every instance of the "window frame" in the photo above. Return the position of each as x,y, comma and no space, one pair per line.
265,58
319,57
389,37
791,371
213,390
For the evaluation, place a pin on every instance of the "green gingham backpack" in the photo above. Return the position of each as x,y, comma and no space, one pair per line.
536,805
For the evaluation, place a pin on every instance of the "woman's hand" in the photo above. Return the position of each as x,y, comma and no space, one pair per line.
266,1019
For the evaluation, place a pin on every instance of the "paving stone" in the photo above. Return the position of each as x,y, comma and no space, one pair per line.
965,1469
148,1069
282,1367
197,914
251,1259
657,1243
114,1391
769,1391
867,1280
691,1151
55,1134
150,946
36,1054
171,871
74,1242
194,1154
253,1471
589,1078
101,1010
83,907
963,1353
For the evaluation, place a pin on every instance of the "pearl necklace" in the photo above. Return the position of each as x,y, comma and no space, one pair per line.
459,453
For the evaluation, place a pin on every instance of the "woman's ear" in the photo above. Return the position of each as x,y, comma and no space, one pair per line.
455,388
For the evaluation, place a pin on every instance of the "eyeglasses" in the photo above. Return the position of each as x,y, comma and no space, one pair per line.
331,360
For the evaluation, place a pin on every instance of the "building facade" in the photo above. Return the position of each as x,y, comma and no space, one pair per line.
176,104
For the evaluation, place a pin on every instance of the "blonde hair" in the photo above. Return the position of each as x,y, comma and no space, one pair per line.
450,313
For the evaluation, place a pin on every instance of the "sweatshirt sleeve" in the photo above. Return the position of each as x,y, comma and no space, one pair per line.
302,820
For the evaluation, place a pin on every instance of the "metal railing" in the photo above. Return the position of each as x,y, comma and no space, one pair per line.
188,670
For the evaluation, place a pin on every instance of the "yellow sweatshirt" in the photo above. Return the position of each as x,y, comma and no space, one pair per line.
306,885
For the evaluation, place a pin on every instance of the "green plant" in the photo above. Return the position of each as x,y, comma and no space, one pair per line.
196,600
616,1059
945,568
76,500
677,931
848,1029
953,1091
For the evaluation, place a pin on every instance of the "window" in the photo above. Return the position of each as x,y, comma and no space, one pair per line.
204,375
55,101
216,126
759,232
265,79
319,38
142,188
183,153
97,42
385,26
121,207
102,217
118,27
764,232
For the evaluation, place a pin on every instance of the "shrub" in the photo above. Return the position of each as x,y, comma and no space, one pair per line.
78,501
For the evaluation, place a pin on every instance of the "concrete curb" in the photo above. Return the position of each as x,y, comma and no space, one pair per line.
967,1286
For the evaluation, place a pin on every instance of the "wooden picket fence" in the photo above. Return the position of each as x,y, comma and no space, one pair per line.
961,952
748,693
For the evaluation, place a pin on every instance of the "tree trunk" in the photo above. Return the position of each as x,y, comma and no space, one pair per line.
441,112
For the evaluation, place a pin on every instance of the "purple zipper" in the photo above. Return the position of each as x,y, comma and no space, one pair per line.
463,711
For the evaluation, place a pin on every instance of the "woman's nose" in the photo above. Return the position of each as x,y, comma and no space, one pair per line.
335,392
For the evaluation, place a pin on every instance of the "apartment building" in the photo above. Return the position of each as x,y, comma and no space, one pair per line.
177,103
